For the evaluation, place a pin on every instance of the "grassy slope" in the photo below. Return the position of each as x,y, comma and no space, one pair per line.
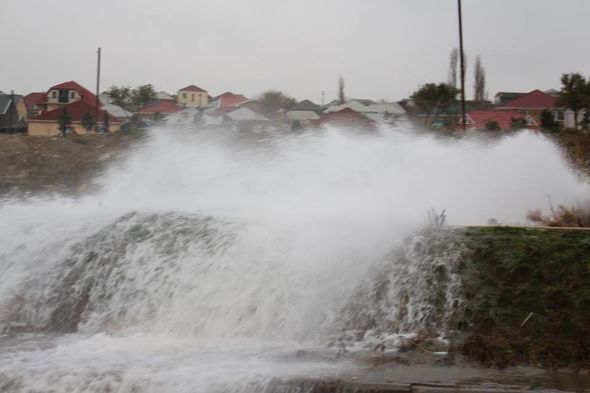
512,272
31,165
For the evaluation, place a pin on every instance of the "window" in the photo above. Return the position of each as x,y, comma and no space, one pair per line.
72,94
63,96
558,115
193,97
184,95
54,94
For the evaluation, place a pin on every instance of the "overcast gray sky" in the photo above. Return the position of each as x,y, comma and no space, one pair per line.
383,48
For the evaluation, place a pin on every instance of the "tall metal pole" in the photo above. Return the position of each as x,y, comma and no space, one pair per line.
97,88
11,106
463,117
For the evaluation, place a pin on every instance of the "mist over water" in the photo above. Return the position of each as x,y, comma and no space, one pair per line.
210,258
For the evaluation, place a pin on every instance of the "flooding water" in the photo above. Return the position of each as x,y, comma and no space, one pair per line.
213,261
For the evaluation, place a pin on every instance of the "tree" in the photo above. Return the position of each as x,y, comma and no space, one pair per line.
106,122
64,121
432,96
586,120
143,96
548,121
88,122
575,94
157,118
341,96
518,123
479,83
121,96
274,101
453,61
492,125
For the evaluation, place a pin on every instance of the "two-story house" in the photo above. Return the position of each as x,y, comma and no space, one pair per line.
192,96
67,93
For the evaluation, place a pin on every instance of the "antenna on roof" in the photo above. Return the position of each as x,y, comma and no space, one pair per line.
97,87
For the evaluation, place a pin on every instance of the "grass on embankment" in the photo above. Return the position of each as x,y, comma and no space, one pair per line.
64,165
527,296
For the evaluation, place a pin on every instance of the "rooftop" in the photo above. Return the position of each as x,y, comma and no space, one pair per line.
164,107
193,88
85,94
536,99
76,110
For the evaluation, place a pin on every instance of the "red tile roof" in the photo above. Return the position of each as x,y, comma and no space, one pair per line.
193,88
504,119
86,94
33,99
76,110
344,117
230,100
164,107
536,99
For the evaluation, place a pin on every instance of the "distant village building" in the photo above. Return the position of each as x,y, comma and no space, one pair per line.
306,105
385,113
47,123
503,97
229,100
303,113
537,101
346,118
163,108
241,119
503,119
67,93
192,96
392,108
35,103
118,112
13,113
163,96
45,109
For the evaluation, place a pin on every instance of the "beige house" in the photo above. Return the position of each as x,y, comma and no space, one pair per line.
192,96
47,123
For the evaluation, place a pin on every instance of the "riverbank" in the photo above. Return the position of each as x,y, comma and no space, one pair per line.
60,165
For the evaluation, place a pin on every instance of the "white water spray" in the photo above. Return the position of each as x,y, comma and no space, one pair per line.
205,254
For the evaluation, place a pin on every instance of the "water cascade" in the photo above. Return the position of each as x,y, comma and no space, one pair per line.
213,262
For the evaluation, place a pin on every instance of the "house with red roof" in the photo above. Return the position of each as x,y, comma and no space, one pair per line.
504,119
345,117
47,123
67,93
35,103
192,96
537,101
163,108
229,100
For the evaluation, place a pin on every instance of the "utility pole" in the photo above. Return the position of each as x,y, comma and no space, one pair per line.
97,88
463,117
11,107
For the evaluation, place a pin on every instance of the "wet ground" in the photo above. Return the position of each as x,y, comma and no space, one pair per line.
102,363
